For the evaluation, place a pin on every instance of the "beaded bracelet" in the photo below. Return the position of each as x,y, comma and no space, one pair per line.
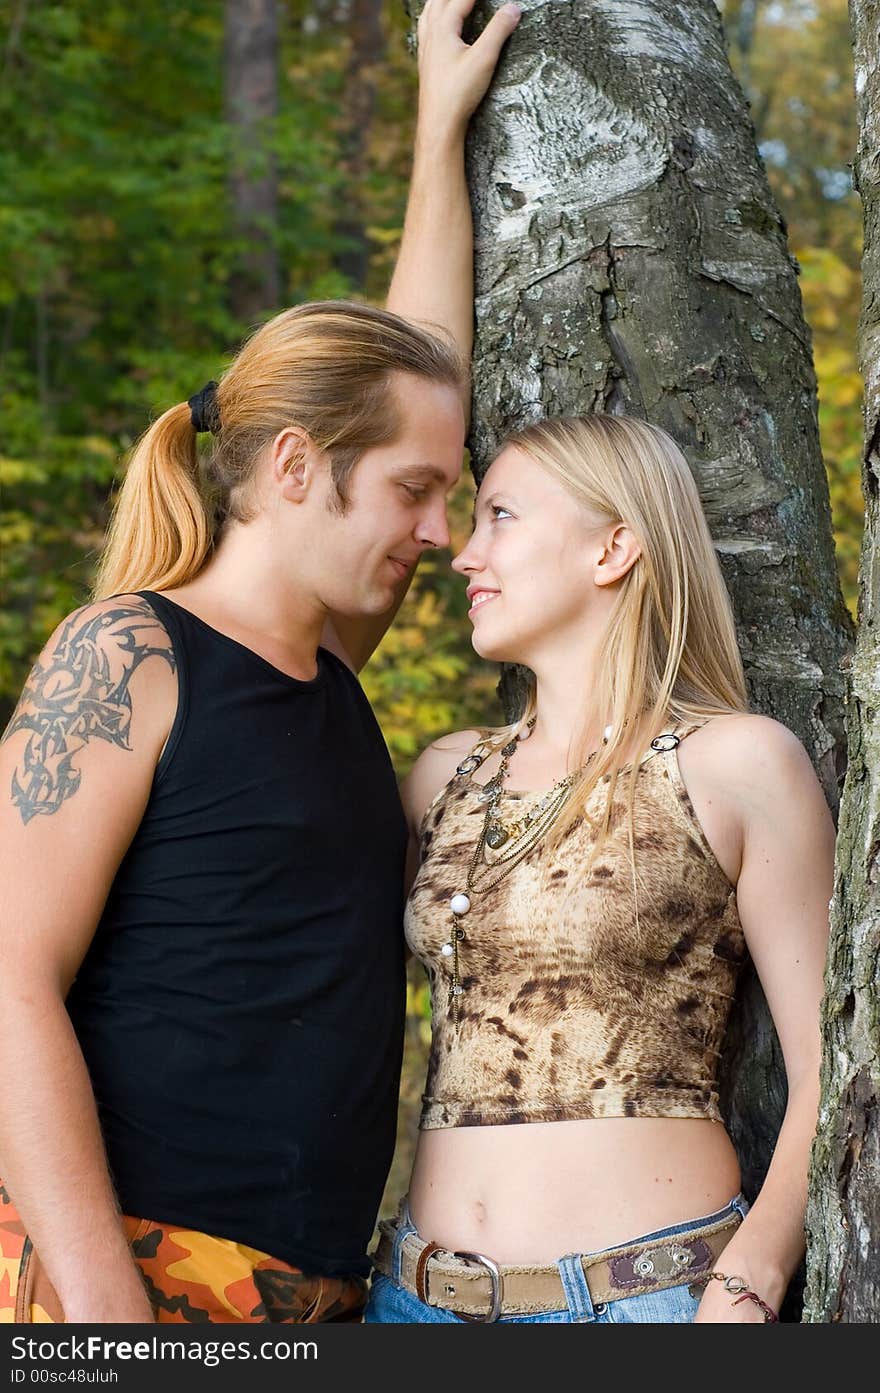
737,1286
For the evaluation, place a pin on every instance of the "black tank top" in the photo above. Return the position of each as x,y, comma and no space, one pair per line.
241,1006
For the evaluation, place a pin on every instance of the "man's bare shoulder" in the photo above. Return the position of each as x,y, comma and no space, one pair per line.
91,688
118,623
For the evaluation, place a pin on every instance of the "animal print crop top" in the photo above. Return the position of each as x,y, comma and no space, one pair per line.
574,1006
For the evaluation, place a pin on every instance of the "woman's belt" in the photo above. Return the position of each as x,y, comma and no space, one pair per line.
471,1284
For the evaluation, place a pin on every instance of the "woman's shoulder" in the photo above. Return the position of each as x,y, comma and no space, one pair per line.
747,752
744,730
745,773
434,768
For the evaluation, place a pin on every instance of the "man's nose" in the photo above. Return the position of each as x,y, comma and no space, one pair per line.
433,528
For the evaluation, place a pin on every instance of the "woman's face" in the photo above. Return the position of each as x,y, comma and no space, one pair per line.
530,562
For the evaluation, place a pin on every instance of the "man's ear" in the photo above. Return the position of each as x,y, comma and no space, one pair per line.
619,554
294,460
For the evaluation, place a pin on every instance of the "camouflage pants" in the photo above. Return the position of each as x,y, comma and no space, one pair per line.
189,1277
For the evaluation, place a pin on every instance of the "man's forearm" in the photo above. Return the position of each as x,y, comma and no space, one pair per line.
52,1162
433,278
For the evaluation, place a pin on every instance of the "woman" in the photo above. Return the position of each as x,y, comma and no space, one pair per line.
590,882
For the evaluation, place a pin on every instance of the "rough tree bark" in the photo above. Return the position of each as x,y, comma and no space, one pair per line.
843,1218
630,258
365,55
251,83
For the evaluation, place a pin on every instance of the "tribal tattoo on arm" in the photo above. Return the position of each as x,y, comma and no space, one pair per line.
77,693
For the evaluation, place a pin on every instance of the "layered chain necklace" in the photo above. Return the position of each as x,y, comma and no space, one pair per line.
519,838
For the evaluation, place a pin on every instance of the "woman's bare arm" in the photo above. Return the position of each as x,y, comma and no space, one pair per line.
76,767
783,891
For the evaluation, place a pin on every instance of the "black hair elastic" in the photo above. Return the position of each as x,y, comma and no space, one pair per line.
204,411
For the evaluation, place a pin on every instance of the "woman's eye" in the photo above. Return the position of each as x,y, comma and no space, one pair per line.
499,512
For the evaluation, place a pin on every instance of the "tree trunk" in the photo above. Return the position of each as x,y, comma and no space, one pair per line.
630,258
367,49
843,1218
251,81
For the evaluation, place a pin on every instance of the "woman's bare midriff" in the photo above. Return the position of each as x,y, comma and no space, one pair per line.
532,1192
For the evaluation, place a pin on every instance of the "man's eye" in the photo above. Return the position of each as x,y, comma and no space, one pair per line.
415,491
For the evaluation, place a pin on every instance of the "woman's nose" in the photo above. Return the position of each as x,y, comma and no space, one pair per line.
466,559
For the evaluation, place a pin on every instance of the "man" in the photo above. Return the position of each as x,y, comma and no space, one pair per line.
201,1004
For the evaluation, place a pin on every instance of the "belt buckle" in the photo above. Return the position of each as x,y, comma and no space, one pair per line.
495,1274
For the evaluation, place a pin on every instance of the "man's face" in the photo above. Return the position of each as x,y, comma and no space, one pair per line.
396,502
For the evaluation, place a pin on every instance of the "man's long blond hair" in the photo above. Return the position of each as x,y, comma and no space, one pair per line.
326,367
669,655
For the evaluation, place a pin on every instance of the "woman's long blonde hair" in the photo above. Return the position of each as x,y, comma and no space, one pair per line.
326,367
669,655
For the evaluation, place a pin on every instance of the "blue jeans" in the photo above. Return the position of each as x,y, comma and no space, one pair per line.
391,1304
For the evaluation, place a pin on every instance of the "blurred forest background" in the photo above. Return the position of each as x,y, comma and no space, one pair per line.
121,288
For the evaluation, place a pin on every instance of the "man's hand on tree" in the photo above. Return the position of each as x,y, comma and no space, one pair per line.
453,75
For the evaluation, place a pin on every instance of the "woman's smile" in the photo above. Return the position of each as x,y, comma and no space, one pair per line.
478,596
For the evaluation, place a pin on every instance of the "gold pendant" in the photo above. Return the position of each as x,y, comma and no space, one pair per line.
496,836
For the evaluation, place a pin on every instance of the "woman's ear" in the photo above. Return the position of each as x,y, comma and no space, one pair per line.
620,552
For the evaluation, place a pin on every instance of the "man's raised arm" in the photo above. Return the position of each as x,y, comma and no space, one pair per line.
433,278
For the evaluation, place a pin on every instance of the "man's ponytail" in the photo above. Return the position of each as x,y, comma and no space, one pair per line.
161,532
